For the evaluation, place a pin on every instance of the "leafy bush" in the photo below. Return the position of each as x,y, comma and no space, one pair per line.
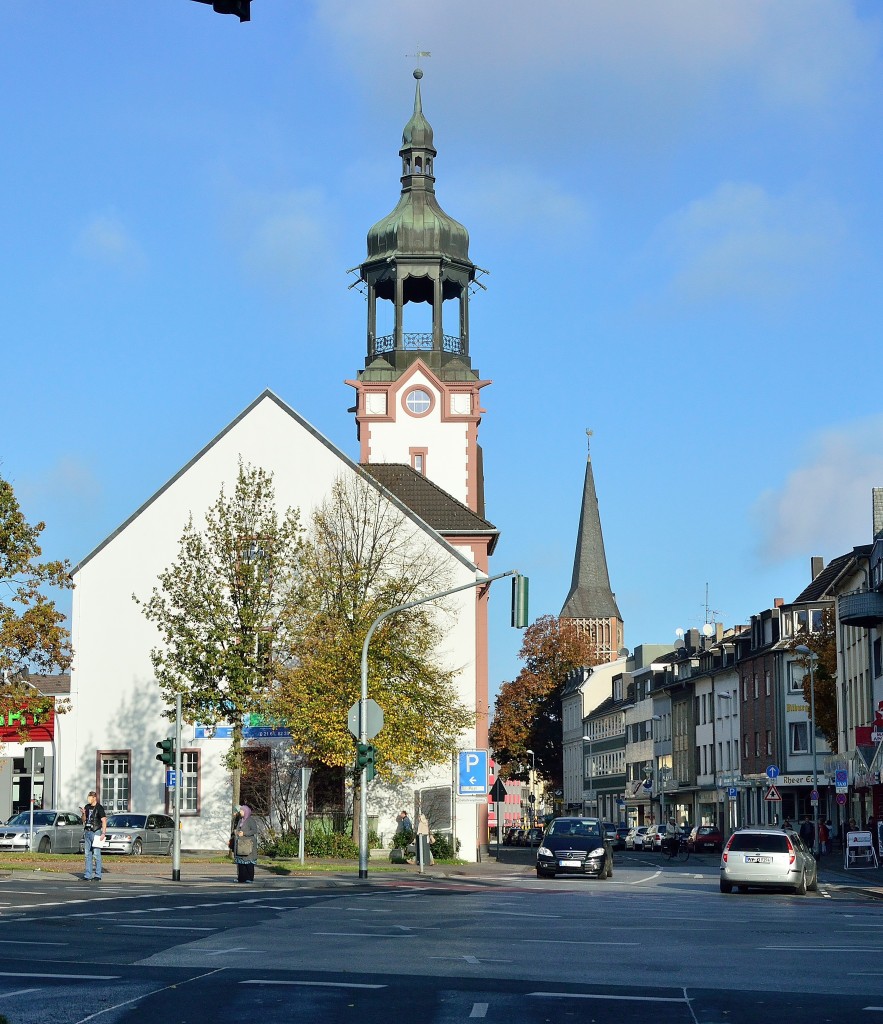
443,846
403,838
318,842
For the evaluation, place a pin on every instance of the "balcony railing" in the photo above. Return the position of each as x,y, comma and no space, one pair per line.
417,342
863,608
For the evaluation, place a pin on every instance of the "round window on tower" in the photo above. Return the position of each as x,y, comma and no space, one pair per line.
418,402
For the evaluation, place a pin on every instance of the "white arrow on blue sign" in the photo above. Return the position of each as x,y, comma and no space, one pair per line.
772,772
472,773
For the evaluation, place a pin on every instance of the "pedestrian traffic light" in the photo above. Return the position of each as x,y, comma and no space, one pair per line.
167,755
365,759
520,586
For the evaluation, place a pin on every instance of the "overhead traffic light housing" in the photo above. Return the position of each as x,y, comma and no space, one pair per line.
167,755
365,754
241,8
520,587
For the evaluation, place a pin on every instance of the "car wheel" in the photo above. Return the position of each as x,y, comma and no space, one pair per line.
814,885
137,848
726,886
800,888
45,845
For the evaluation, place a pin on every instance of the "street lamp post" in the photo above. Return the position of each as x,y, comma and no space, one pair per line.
531,796
730,772
805,651
589,740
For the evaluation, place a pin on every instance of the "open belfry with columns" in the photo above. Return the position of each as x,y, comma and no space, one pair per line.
417,413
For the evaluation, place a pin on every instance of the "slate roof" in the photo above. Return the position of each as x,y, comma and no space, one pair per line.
430,502
590,596
822,585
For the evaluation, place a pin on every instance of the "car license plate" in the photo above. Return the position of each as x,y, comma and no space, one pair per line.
758,860
569,863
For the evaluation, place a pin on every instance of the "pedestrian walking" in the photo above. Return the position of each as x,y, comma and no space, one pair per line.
245,845
94,836
808,832
403,823
824,838
424,837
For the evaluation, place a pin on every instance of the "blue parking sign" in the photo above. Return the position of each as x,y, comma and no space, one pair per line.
472,777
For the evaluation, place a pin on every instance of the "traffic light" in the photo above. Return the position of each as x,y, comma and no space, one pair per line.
365,759
520,586
167,755
241,8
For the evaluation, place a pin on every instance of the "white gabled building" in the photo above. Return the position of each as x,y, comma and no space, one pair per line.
417,416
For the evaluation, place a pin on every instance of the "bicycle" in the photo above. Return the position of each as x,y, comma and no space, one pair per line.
677,848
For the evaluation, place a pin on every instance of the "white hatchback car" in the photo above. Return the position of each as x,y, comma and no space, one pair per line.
767,858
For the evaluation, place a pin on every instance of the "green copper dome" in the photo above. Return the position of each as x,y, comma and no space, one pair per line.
418,225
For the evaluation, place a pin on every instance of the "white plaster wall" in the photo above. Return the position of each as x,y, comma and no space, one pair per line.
446,442
116,702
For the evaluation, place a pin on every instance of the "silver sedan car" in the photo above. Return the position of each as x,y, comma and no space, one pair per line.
54,832
129,832
767,858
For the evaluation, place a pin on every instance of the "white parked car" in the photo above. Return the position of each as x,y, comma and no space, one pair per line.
767,858
635,839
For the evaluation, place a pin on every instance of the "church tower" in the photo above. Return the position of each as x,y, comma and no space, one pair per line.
591,603
417,398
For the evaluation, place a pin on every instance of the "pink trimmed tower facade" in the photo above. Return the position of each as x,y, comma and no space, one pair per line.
418,398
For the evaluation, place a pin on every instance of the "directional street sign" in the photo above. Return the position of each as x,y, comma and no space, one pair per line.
472,773
772,794
498,793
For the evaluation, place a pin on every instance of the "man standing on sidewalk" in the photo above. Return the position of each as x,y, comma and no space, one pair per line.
95,824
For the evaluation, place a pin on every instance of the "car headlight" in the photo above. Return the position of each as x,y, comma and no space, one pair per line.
598,852
544,851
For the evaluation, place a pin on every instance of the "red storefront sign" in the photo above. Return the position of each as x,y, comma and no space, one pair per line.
41,728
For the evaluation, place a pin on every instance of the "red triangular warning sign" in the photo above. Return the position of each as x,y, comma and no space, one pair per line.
772,794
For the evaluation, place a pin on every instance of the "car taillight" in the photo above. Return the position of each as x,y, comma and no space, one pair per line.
792,856
726,850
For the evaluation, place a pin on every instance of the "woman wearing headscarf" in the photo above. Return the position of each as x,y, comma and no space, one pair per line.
245,845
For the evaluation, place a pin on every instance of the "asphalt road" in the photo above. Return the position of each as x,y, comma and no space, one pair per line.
656,943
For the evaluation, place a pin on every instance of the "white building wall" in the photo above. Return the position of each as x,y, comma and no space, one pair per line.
116,701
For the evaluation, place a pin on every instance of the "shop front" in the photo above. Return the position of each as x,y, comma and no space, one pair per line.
26,768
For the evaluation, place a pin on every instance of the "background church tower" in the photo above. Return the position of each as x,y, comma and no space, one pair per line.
591,603
417,399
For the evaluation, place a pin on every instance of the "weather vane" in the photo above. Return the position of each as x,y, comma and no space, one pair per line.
419,55
589,440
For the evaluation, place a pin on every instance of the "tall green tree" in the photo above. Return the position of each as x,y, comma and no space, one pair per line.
33,637
527,715
222,608
823,643
361,558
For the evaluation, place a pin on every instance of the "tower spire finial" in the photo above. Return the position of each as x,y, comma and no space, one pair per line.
589,442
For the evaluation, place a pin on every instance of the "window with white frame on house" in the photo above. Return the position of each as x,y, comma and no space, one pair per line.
766,679
769,742
114,787
190,782
756,693
796,672
798,737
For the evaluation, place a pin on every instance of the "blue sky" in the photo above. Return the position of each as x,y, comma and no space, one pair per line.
679,204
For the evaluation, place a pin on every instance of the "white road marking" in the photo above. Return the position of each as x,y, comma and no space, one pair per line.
234,949
829,949
365,935
315,984
513,913
20,992
165,988
479,1010
583,942
66,977
591,995
17,942
472,959
169,927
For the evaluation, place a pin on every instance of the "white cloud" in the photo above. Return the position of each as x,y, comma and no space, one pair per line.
824,506
742,243
105,239
282,237
514,200
813,54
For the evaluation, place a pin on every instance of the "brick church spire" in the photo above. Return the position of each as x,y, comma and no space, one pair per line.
590,602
